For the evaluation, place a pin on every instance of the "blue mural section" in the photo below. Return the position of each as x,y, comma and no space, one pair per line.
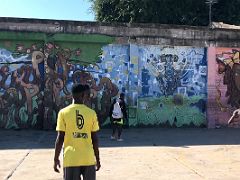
107,78
133,85
114,64
172,86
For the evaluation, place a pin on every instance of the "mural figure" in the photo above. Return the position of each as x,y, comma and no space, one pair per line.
167,70
4,73
19,89
229,66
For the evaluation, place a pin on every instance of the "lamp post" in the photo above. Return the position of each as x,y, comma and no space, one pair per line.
210,3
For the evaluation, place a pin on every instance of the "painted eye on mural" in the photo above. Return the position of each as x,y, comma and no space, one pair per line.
28,51
19,47
38,57
175,59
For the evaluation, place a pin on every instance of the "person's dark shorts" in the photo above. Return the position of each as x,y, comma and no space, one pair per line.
118,121
75,173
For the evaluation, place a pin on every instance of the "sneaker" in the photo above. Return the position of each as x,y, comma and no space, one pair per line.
119,139
112,138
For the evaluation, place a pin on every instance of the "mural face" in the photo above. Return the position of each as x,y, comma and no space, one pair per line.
172,86
226,79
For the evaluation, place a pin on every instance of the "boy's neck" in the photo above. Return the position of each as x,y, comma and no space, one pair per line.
78,102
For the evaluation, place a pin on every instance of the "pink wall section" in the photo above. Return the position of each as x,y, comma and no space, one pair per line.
219,111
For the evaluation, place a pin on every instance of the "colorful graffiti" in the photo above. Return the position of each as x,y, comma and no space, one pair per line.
229,66
36,82
106,78
164,86
225,85
35,76
21,93
172,86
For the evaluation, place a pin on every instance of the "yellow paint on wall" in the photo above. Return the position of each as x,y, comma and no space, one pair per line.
134,60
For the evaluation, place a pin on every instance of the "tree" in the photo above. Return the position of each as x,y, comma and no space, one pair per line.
227,12
181,12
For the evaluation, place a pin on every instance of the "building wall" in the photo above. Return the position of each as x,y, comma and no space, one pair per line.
161,83
172,76
125,33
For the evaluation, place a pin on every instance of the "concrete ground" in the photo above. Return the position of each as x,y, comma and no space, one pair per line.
149,154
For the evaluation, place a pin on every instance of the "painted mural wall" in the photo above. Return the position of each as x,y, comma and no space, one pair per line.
107,77
223,86
164,86
172,85
36,77
21,87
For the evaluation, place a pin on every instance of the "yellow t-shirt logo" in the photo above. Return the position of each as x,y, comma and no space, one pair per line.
79,120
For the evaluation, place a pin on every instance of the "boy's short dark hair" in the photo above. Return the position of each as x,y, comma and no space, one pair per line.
79,88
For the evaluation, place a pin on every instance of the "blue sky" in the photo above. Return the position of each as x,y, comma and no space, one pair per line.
47,9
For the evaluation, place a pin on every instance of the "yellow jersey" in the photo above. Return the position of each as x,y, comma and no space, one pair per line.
77,121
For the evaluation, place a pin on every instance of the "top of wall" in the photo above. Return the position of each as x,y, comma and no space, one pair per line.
138,33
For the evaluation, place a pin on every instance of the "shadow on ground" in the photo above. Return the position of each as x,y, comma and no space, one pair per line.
29,139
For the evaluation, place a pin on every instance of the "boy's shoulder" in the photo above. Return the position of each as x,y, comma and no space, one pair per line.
90,110
64,109
70,107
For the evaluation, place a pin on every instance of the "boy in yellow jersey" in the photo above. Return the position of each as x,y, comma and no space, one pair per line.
77,127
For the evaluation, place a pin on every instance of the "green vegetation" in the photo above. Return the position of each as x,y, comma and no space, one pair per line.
180,12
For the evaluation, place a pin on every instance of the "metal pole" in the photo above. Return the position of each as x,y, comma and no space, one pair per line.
210,3
210,15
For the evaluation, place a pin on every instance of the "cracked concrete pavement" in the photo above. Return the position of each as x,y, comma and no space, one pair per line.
147,153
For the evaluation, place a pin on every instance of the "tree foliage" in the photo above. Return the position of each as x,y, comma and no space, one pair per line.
181,12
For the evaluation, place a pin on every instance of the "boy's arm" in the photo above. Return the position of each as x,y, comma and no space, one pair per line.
58,148
95,148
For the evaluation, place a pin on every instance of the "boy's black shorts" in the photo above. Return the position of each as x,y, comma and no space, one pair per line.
87,172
